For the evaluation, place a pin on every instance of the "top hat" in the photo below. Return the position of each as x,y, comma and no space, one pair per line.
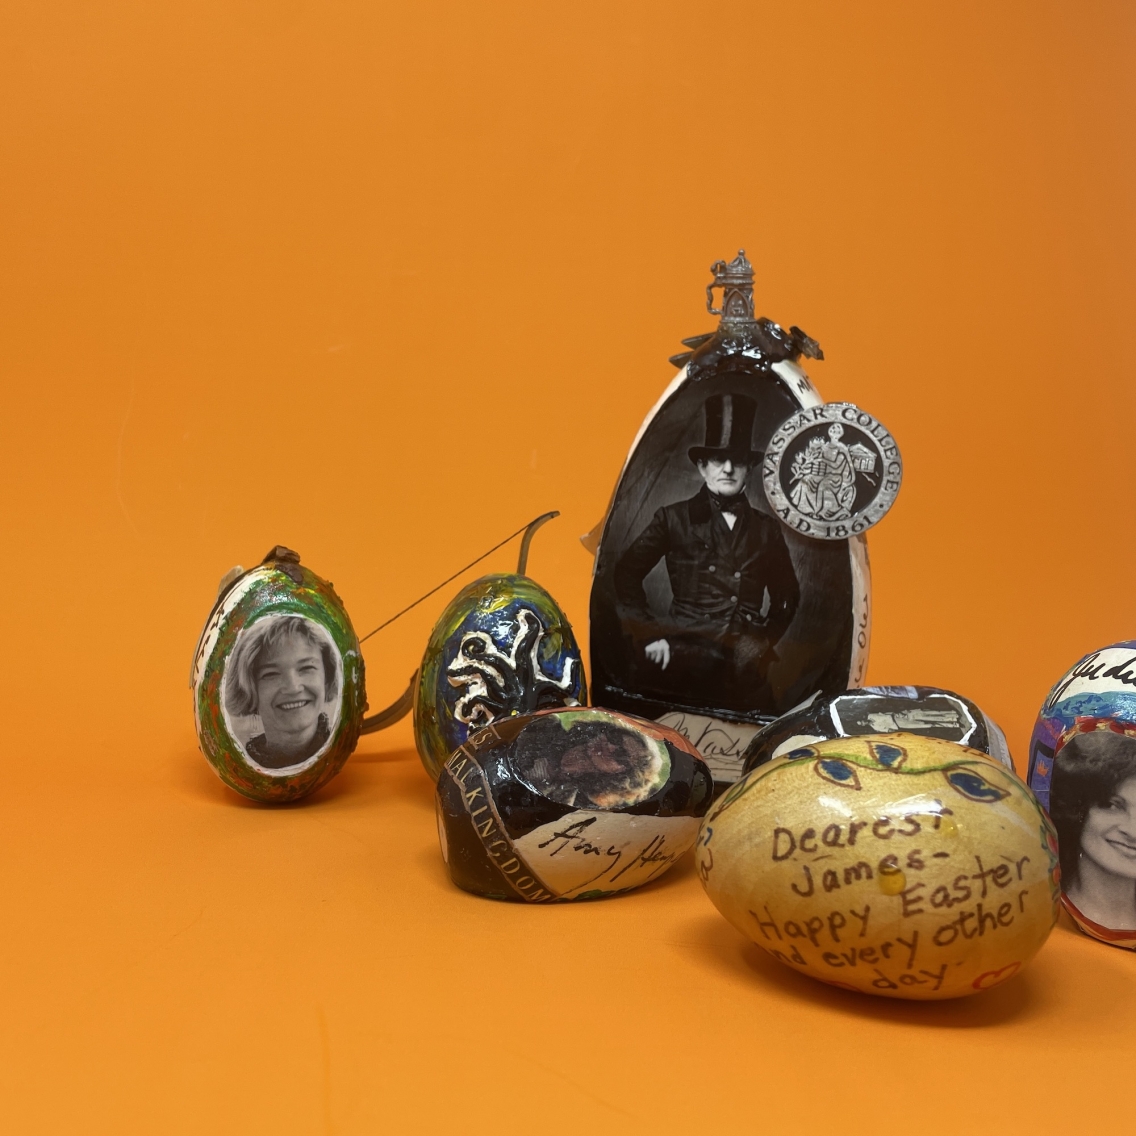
728,422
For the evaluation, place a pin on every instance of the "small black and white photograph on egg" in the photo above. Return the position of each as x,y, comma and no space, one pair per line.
282,687
884,710
1092,802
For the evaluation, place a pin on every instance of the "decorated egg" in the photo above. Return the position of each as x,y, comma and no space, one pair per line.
731,578
569,804
501,647
898,864
926,710
1083,768
278,688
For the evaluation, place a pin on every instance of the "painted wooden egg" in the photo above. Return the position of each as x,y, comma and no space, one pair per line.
278,685
569,804
926,710
1083,768
899,865
502,647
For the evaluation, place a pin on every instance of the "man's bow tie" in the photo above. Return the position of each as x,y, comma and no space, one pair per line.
734,504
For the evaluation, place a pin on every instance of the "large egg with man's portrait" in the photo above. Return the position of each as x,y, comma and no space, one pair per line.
569,804
710,612
1083,768
278,681
894,864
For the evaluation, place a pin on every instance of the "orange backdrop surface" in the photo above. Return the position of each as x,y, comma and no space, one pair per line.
381,282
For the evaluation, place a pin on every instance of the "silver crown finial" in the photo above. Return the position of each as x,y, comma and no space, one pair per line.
736,281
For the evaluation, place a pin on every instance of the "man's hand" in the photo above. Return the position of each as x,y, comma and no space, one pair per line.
659,652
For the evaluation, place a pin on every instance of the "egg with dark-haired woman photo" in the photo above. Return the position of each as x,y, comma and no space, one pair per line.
1092,800
1082,765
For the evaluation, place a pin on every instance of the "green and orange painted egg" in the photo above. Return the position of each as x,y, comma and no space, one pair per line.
901,865
502,647
278,682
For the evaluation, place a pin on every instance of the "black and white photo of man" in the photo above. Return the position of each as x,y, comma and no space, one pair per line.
734,588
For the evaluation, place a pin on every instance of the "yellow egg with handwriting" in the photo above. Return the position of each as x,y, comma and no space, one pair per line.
899,865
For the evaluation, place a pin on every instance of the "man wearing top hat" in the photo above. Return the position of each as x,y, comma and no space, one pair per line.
734,587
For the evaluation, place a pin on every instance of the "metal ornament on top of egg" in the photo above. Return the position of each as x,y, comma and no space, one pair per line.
278,682
927,710
897,865
1083,768
716,605
502,647
569,804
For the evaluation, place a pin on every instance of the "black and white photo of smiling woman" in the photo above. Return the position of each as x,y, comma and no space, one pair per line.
1093,806
282,687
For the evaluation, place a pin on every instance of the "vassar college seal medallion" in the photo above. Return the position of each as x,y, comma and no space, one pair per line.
831,471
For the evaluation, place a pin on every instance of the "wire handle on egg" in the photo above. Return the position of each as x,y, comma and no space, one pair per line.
528,530
402,705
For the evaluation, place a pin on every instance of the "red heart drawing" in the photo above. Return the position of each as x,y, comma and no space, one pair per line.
993,977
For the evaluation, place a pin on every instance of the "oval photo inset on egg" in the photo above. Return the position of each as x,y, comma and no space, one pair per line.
590,760
1092,803
282,692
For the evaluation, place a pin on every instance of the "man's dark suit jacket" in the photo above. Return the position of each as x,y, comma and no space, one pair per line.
719,576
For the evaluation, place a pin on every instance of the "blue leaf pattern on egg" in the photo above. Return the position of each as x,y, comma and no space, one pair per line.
892,756
838,772
974,787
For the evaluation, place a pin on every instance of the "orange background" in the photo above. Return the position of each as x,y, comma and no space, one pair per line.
381,282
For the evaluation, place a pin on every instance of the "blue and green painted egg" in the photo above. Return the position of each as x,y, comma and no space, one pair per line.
502,647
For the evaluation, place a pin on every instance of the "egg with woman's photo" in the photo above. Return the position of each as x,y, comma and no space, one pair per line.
1082,765
281,690
1092,802
278,681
